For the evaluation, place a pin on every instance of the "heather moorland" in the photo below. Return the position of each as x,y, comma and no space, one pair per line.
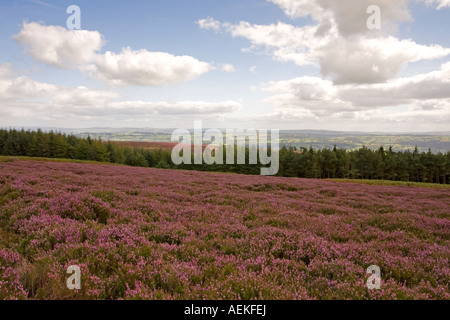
141,233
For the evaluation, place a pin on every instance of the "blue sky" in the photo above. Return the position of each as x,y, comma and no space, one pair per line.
250,64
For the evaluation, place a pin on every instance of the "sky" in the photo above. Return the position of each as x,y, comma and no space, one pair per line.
260,64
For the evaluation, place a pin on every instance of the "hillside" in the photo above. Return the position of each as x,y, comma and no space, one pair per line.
165,234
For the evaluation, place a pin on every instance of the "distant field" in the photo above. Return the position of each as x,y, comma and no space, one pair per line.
140,233
399,142
437,142
149,145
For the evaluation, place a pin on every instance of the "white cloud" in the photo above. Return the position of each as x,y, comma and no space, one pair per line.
359,88
312,95
288,43
37,100
372,60
82,97
252,69
424,92
300,8
59,47
209,23
28,101
408,90
23,88
177,108
439,3
64,48
344,48
349,16
227,68
362,65
374,120
144,68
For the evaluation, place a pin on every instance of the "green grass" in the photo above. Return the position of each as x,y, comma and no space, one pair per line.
11,159
394,183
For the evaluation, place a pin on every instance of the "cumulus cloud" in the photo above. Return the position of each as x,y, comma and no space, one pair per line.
64,48
407,90
360,88
23,88
59,47
28,98
310,95
146,68
339,41
349,16
24,99
372,60
323,98
209,23
287,42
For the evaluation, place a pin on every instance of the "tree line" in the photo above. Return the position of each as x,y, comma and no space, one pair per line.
60,145
325,163
365,163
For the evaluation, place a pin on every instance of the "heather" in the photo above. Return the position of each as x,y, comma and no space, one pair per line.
141,233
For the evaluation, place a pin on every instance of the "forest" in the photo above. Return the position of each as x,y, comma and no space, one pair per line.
363,163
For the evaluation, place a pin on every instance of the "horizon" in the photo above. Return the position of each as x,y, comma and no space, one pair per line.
437,133
292,64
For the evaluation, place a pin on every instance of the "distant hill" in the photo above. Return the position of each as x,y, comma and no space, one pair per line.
437,142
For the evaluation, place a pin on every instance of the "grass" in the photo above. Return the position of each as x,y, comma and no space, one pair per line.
394,183
11,159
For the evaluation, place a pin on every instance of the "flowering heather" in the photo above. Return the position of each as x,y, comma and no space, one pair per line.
139,233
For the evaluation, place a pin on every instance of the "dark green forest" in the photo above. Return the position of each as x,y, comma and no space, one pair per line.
363,163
